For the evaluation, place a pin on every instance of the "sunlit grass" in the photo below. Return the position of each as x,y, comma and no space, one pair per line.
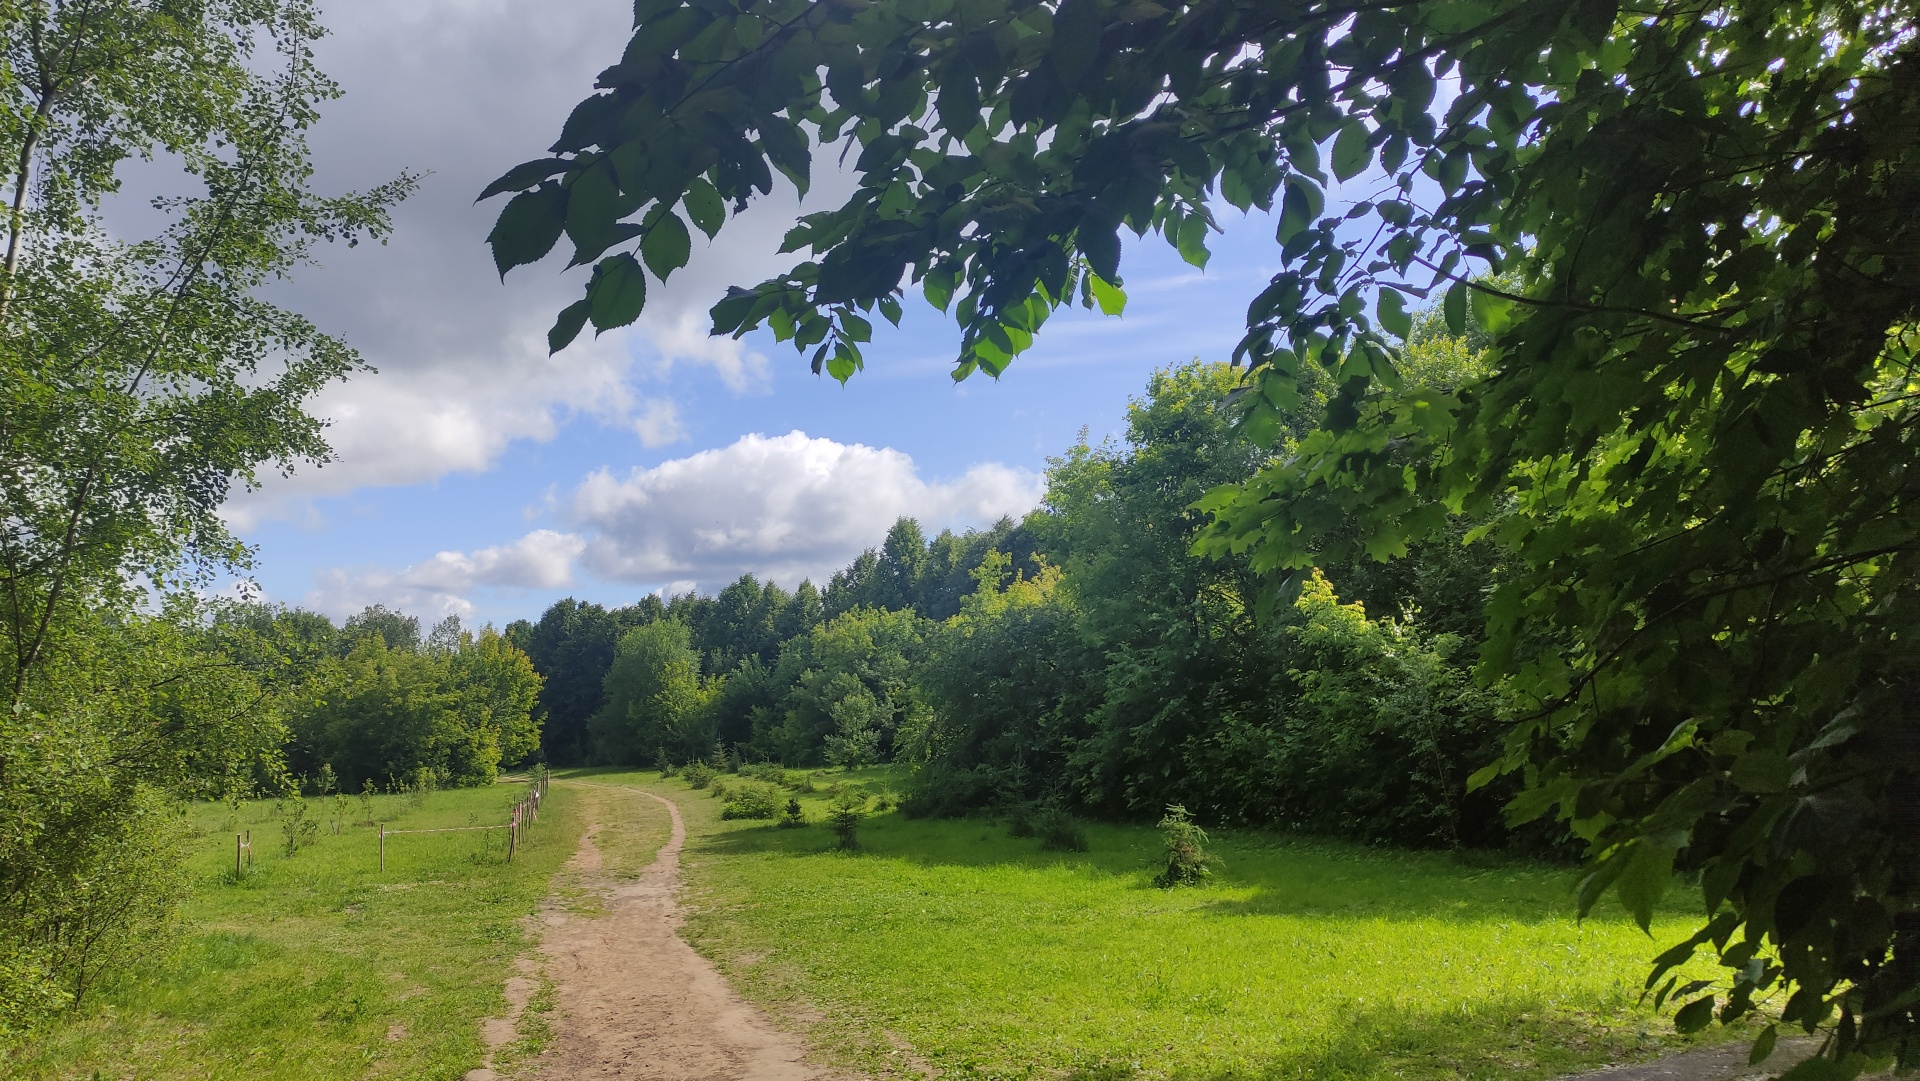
954,946
321,966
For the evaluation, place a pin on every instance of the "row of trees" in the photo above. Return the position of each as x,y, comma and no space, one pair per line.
1091,658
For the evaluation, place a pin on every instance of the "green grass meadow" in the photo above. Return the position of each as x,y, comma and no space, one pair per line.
953,946
946,947
319,966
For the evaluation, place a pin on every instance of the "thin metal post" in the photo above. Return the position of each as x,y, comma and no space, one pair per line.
383,846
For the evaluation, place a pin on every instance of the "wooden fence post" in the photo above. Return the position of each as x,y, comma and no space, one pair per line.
239,848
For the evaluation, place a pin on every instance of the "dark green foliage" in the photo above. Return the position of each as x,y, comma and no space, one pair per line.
1695,442
844,815
572,647
1058,830
1185,842
655,699
698,774
751,799
457,709
794,817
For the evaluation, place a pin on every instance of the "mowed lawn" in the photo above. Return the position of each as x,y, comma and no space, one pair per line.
319,965
953,946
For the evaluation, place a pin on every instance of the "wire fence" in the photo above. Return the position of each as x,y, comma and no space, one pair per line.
524,813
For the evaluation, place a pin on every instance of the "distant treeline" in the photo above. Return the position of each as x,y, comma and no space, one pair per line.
374,703
1082,656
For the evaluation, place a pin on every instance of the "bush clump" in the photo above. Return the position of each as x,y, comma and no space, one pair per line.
1058,830
844,815
751,799
698,774
1187,861
794,818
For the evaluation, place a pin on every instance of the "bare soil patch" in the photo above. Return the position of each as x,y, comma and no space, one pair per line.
636,1002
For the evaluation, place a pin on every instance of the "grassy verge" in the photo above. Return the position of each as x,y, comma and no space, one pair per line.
952,946
318,965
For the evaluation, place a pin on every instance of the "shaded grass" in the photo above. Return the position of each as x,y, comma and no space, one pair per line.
320,966
950,945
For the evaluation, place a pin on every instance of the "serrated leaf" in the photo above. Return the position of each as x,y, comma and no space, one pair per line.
1644,879
617,293
1351,154
1111,298
567,327
667,245
705,207
525,175
1695,1015
528,227
1192,240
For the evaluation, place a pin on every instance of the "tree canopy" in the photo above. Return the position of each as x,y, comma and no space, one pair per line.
1694,441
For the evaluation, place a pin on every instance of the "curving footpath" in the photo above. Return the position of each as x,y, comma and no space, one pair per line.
636,1002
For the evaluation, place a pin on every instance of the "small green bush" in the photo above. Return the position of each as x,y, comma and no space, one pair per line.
664,764
698,774
795,817
751,799
296,828
1187,859
844,815
1059,830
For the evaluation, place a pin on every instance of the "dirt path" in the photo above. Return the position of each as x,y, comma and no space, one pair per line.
635,1001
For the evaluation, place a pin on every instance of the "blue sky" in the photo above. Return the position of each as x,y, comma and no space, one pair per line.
478,477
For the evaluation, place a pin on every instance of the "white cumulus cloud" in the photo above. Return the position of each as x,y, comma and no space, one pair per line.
543,559
784,507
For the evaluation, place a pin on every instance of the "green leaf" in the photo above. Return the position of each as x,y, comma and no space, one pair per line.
1295,214
705,207
1695,1015
1454,307
667,246
1458,17
1351,152
1761,771
1111,298
1763,1045
1192,240
1491,312
1392,310
617,293
1644,880
1076,41
567,327
524,175
528,227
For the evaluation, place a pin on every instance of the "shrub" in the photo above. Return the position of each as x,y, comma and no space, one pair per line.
1059,830
844,815
752,799
297,830
1187,859
698,774
662,763
794,817
718,787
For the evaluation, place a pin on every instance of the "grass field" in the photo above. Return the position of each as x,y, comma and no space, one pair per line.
319,966
951,945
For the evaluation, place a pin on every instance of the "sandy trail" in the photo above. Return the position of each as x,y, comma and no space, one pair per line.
635,1001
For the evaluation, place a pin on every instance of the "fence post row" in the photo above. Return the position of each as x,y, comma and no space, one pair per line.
525,811
242,853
